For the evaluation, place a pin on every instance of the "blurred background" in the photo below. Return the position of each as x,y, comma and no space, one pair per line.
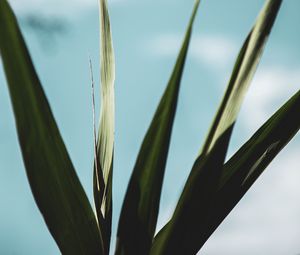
61,35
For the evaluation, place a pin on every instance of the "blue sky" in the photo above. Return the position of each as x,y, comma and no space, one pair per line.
147,35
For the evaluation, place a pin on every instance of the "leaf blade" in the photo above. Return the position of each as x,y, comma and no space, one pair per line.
248,163
103,168
53,180
182,234
140,208
236,174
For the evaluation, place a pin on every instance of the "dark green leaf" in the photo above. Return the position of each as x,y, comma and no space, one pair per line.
140,209
53,180
183,234
243,169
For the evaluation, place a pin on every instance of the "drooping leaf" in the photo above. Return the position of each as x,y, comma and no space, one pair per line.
53,180
184,230
140,208
105,143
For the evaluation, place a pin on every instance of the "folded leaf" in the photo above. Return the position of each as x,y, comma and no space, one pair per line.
140,208
105,143
184,230
53,180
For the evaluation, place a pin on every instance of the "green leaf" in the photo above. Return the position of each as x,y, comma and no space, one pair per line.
243,169
105,143
183,234
249,162
140,208
243,73
53,180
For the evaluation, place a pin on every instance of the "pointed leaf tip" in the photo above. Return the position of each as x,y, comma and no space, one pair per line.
140,208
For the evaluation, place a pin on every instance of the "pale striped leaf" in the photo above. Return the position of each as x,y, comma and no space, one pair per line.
105,142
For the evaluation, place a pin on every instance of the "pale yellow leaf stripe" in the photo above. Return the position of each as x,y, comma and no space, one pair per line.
107,114
230,106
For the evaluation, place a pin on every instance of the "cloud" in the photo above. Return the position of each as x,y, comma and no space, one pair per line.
213,50
266,220
271,87
56,7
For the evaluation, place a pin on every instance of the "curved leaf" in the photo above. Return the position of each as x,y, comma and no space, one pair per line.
105,143
183,234
246,165
53,180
